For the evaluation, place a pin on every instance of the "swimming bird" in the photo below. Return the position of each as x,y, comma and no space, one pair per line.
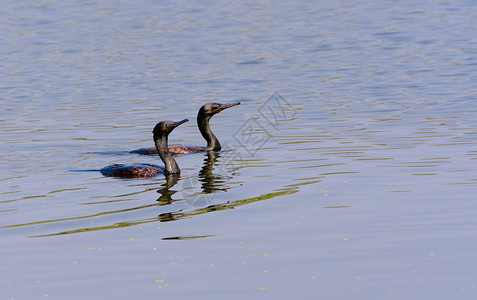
160,134
206,112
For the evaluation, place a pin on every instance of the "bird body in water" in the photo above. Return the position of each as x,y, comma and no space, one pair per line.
203,117
160,133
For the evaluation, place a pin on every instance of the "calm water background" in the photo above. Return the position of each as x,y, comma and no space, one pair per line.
363,188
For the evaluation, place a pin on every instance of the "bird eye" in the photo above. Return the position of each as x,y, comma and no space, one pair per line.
168,125
217,106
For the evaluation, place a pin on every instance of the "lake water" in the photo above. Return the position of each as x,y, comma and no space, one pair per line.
348,171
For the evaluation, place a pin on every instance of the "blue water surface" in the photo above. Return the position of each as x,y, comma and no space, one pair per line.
348,170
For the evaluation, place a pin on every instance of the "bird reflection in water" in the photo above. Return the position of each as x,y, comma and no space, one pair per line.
212,182
209,180
165,191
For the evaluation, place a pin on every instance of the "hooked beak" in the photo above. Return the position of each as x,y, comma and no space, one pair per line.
225,106
180,123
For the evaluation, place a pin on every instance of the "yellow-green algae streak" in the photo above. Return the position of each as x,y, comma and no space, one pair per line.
165,217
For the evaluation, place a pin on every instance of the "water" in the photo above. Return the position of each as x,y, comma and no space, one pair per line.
349,170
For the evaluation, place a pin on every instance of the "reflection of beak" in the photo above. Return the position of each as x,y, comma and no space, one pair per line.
179,123
225,106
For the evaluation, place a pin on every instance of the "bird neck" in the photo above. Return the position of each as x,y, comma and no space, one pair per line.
203,123
170,164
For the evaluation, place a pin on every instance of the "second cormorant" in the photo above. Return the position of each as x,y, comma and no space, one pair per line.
203,117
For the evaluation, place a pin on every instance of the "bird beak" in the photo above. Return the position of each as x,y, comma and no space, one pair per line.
225,106
180,122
